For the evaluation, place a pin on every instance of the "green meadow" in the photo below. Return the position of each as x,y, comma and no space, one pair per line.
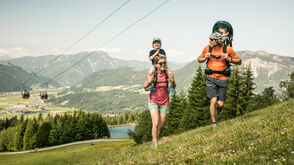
265,136
67,155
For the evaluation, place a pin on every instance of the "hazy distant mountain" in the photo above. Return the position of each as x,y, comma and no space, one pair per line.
117,90
95,62
5,58
12,78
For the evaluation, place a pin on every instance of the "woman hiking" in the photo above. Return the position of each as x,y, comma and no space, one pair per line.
158,99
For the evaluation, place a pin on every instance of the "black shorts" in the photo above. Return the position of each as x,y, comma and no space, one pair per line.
216,88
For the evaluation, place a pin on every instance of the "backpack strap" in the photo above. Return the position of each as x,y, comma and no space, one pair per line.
209,51
154,84
225,51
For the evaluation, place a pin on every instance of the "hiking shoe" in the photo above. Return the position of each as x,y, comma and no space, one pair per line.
152,145
214,125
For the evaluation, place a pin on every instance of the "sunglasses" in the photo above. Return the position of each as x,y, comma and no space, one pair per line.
161,63
211,39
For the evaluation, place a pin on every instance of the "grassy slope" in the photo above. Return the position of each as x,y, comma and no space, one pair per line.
264,136
261,137
67,155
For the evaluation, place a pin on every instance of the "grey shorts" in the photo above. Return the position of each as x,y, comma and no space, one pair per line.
216,88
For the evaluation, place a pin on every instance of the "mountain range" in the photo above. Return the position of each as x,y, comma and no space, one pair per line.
124,87
5,58
98,60
12,78
105,84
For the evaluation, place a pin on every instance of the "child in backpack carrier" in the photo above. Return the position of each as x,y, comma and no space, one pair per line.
226,29
157,52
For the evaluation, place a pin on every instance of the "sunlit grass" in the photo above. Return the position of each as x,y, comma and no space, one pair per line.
262,137
67,155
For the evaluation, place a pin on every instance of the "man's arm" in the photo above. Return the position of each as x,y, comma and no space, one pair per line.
237,60
203,59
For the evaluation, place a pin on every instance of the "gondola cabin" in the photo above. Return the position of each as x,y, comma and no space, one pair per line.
25,94
44,95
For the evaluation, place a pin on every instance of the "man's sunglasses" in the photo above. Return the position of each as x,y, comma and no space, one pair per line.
211,39
161,63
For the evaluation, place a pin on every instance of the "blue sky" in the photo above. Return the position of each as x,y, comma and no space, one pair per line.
35,28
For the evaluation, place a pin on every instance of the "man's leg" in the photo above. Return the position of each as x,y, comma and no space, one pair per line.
220,105
213,111
222,92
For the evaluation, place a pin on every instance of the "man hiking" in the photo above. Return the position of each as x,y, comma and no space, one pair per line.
218,57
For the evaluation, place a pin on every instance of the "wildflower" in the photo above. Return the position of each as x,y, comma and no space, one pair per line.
292,152
283,133
275,160
252,144
230,142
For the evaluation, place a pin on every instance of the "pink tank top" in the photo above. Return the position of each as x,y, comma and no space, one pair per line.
160,94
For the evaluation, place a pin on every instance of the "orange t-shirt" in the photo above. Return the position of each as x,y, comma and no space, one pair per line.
218,64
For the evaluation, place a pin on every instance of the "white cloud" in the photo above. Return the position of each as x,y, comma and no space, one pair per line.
3,51
140,52
175,52
116,50
17,49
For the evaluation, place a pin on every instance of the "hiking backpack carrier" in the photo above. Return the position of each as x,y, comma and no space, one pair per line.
226,72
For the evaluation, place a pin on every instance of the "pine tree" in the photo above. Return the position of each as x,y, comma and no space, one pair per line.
29,141
288,87
142,132
42,134
197,112
246,89
18,136
231,105
177,107
3,139
53,137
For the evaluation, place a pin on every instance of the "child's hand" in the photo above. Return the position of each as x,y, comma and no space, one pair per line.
161,55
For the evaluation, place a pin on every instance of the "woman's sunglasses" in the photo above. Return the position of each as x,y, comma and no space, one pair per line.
161,63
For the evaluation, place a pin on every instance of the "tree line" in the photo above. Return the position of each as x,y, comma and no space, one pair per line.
191,110
127,117
25,134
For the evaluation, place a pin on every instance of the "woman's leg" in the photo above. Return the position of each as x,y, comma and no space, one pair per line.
162,117
155,124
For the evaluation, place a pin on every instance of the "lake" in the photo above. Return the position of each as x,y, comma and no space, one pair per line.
120,132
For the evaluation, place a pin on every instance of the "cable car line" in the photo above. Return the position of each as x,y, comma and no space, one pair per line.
111,39
75,43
